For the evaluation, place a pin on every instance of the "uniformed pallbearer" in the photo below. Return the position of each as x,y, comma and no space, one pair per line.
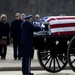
27,44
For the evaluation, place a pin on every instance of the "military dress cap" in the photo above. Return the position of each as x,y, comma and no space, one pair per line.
37,15
28,17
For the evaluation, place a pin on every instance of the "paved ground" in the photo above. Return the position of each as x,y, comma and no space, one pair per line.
11,64
64,72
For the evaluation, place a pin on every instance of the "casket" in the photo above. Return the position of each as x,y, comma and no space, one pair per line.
62,25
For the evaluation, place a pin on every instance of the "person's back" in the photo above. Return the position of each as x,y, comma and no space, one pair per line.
27,36
27,31
27,44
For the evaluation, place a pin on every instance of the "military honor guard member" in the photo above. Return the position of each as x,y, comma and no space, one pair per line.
27,44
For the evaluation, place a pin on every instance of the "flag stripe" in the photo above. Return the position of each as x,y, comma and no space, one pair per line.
62,21
62,25
63,29
59,18
64,33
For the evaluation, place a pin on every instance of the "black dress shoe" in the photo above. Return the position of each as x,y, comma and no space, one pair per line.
3,58
19,58
15,58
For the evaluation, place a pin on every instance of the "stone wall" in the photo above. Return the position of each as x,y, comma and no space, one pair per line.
42,7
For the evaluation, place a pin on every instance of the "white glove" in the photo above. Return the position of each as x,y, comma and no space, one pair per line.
43,26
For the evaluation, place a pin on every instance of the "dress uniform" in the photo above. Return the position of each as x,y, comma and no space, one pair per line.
27,44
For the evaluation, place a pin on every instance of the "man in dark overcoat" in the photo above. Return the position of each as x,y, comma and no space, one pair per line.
16,35
27,44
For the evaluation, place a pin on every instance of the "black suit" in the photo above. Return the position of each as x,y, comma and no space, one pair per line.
4,32
16,35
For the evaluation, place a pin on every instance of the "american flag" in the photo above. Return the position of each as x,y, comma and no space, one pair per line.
62,25
43,19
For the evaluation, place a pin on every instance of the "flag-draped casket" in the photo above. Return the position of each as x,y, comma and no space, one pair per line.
62,25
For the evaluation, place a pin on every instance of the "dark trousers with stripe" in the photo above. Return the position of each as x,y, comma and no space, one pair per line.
26,64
